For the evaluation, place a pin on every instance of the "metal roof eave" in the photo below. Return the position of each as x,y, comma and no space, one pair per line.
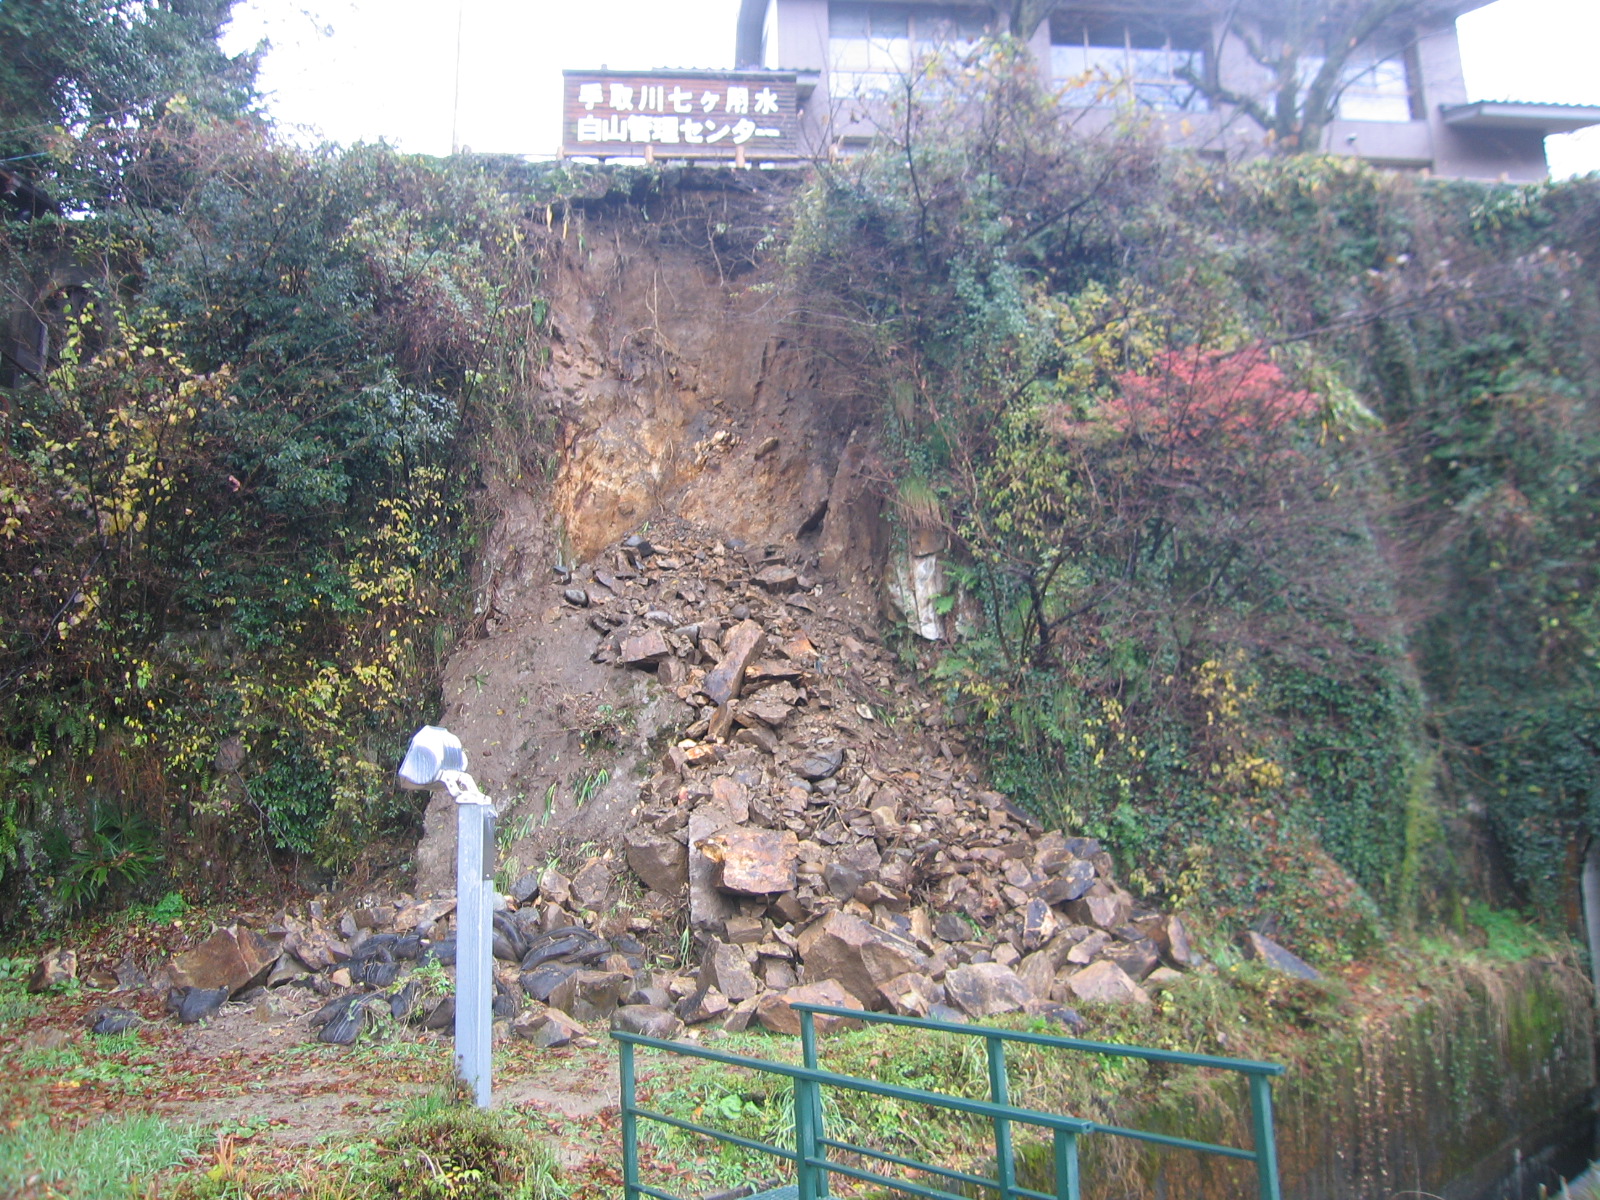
1527,116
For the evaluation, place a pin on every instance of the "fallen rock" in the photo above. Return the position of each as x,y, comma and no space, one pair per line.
590,995
775,1010
911,994
647,1021
859,956
726,969
753,862
549,1029
540,982
1103,905
111,1019
1106,983
779,579
741,645
986,989
192,1004
707,1004
56,969
1137,958
661,861
1266,951
592,884
644,649
820,765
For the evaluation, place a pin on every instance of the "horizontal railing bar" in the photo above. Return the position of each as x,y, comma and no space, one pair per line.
976,1108
1162,1139
899,1185
958,1176
719,1134
1245,1065
657,1194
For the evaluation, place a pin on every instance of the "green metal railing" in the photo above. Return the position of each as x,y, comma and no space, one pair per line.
813,1166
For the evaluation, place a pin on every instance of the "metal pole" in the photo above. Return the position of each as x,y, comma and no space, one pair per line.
474,933
1066,1165
630,1127
808,1052
1266,1143
1000,1093
806,1104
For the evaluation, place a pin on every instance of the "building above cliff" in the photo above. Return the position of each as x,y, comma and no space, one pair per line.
1207,73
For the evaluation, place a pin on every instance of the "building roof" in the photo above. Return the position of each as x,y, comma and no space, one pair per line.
1527,115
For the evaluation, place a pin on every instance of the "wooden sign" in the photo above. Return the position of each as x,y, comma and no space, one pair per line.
680,114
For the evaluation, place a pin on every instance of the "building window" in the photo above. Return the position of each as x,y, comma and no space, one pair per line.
1105,60
1371,88
872,48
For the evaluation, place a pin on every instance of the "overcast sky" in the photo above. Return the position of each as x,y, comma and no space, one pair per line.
354,70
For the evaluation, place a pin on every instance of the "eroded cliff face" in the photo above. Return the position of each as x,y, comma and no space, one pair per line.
683,382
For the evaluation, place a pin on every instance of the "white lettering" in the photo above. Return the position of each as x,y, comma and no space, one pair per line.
681,100
621,97
738,99
590,94
766,101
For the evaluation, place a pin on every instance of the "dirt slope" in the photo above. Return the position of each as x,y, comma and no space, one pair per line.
685,386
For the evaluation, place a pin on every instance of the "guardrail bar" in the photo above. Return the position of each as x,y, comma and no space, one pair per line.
1183,1058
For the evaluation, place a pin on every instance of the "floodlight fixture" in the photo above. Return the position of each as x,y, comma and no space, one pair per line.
433,751
435,760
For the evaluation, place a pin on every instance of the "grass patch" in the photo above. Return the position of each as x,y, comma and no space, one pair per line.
106,1159
437,1149
15,1002
441,1150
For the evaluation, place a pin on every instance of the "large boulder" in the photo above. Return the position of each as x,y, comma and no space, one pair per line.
590,995
754,862
646,1020
986,989
1107,983
741,645
661,861
234,958
1266,951
859,956
775,1010
726,969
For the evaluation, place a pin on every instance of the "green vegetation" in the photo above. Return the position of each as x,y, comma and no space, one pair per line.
1391,1059
1270,490
107,1158
1272,513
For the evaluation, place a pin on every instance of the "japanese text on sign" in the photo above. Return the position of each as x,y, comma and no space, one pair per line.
703,112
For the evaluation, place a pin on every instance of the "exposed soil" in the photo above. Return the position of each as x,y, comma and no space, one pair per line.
685,386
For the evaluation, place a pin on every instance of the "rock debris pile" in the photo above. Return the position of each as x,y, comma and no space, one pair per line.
820,832
831,843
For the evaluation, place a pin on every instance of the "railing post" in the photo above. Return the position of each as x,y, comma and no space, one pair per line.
1066,1146
1000,1093
1265,1142
806,1103
630,1125
808,1056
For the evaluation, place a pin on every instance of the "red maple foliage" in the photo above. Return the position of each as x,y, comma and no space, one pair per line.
1201,405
